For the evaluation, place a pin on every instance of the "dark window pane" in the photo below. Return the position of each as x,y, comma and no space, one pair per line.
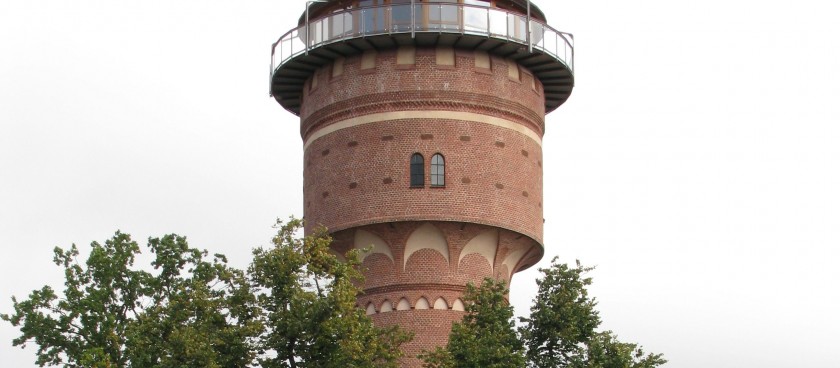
417,173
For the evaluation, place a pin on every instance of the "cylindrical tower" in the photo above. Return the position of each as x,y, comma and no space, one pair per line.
422,126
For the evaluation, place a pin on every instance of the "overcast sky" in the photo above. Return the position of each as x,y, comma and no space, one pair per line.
696,162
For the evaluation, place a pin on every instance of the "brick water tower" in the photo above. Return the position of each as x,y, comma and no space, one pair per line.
422,125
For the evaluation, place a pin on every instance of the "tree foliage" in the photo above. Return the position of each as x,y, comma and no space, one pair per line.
87,325
605,351
191,312
561,330
486,337
294,307
563,318
197,313
309,297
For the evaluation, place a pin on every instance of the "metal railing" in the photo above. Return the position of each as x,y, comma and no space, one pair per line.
417,18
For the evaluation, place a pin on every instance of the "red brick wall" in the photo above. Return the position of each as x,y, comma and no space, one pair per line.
357,177
426,274
389,84
360,175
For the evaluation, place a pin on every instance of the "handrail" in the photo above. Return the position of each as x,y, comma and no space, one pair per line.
426,17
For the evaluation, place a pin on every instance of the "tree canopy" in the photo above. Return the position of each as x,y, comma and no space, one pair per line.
486,337
561,331
309,301
293,307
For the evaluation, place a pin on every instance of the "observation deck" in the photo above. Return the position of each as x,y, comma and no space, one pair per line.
546,52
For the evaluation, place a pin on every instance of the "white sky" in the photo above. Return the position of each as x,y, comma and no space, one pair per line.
695,163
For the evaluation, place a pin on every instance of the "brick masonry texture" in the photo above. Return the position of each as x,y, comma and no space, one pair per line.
331,166
358,178
426,274
488,179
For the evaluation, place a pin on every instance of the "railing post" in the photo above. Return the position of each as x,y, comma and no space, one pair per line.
413,21
271,70
306,30
528,30
487,11
573,53
440,18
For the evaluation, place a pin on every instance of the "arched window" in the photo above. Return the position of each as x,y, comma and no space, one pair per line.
418,176
438,171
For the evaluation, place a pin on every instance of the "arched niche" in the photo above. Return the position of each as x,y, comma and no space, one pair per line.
440,304
427,236
485,244
371,309
403,305
365,239
386,307
513,259
422,303
458,305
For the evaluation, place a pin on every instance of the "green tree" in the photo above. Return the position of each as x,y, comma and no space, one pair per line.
486,337
561,330
190,313
309,299
295,307
605,351
197,313
86,326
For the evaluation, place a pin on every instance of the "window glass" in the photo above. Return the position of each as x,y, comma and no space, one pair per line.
438,168
417,173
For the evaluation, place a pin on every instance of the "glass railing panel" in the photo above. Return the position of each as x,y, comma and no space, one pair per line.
479,3
401,18
537,35
432,19
315,33
419,15
476,20
339,26
440,17
517,27
294,44
498,24
450,17
550,43
373,21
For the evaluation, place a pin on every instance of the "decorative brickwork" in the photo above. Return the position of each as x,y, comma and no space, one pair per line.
430,285
362,121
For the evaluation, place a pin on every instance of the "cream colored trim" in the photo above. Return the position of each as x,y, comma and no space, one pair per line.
445,56
338,67
423,114
406,55
369,59
482,60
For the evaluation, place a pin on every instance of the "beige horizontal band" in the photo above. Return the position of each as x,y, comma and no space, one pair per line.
423,114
